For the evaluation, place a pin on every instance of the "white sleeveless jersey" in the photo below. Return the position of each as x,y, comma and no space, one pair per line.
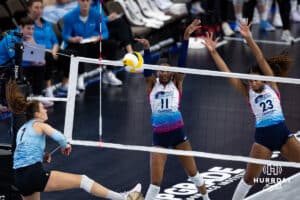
266,107
164,98
164,102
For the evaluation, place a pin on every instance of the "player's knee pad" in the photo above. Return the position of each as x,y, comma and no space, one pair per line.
197,179
86,183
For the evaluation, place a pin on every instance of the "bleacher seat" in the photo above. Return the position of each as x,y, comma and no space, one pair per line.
141,31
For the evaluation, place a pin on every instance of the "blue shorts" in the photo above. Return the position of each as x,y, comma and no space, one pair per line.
273,137
169,139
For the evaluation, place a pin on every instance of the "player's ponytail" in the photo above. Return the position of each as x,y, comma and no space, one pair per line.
17,102
15,99
280,64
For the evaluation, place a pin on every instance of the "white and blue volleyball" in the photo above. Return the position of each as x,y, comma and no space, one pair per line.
133,62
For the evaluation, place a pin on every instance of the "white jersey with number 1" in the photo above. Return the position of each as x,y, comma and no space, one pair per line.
165,100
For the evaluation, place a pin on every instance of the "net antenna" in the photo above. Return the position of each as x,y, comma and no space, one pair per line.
100,70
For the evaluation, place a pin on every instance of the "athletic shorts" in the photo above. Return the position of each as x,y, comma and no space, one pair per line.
169,139
32,178
273,137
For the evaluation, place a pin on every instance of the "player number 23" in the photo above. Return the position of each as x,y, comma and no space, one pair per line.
267,105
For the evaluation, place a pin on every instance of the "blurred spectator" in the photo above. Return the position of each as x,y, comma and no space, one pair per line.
249,5
285,10
56,11
81,32
44,35
34,72
295,10
220,9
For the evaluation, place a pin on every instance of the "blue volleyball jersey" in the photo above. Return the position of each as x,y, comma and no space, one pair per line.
164,102
266,107
30,146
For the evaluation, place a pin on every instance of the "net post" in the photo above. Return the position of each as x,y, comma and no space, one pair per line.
70,107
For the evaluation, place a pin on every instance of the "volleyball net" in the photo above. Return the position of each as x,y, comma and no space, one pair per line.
69,117
100,135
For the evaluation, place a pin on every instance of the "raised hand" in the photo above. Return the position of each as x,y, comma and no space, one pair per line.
191,28
144,42
245,28
210,42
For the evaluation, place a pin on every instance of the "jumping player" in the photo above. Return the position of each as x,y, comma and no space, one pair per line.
271,133
164,95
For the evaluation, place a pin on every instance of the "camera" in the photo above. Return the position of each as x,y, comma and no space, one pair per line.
12,67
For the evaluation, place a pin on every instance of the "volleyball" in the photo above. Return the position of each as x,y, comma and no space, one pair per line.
133,62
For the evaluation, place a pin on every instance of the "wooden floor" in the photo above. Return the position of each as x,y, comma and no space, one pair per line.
217,120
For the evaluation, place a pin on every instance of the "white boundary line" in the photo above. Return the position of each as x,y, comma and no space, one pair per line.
196,71
274,187
184,153
258,41
47,99
297,39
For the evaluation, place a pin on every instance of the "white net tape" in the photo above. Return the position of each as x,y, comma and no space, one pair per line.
47,99
198,71
259,41
185,153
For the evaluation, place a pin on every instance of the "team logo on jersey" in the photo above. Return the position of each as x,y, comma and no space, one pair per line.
162,94
262,97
